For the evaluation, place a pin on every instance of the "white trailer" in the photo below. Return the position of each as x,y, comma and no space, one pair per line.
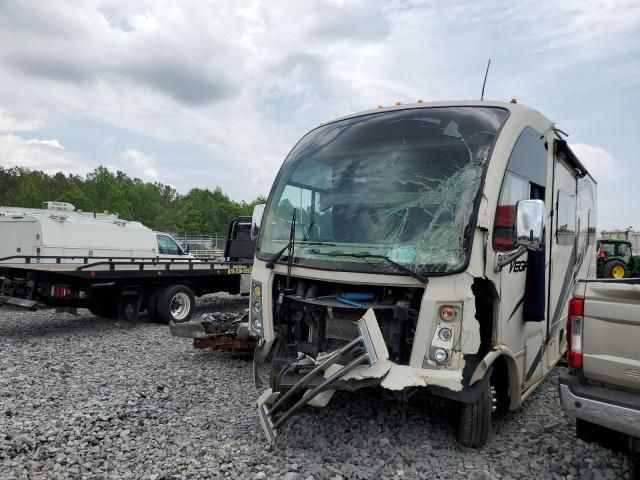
60,232
429,248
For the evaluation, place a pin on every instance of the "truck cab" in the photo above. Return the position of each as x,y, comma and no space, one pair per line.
427,248
167,247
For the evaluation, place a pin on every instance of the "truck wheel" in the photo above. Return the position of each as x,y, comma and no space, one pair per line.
152,304
175,303
105,307
587,431
615,269
474,419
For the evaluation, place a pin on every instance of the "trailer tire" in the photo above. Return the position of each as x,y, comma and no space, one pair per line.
152,304
615,269
474,419
175,303
105,307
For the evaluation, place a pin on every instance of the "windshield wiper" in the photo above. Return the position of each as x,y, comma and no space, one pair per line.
417,275
291,245
276,256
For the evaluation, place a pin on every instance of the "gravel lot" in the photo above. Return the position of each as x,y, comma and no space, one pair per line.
86,397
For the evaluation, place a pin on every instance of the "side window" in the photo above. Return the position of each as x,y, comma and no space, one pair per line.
566,219
167,246
624,250
592,227
527,165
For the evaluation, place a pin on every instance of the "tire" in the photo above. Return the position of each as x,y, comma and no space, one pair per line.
474,420
152,304
615,269
106,306
175,303
587,431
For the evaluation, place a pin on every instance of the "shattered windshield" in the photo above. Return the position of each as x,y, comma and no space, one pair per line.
399,184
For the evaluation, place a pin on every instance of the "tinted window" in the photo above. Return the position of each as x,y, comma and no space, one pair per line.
566,219
529,157
527,165
167,246
592,227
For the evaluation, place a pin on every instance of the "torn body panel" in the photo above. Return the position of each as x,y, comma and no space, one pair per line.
276,409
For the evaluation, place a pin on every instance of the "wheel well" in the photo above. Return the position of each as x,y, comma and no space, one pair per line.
500,381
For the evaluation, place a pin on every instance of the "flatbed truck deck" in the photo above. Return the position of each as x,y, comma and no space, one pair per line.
119,287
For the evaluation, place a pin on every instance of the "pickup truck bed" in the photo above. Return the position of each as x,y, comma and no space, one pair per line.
602,389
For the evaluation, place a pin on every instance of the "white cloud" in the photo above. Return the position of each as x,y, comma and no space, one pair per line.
46,143
15,151
9,124
599,162
135,163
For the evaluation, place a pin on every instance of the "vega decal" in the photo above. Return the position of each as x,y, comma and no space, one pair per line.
518,266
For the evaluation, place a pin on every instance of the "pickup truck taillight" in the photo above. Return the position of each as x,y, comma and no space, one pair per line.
574,332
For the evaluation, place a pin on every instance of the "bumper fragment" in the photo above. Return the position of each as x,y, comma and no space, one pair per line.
276,409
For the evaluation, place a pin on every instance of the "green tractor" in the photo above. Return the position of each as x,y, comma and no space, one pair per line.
615,259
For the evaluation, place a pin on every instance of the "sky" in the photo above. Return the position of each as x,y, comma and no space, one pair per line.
198,93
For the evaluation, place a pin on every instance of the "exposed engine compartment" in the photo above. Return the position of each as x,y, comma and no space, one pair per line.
316,316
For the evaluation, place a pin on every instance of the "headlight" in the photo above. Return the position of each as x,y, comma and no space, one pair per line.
445,334
255,312
440,355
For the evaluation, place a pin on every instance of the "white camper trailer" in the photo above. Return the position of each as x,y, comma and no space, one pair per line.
429,248
59,231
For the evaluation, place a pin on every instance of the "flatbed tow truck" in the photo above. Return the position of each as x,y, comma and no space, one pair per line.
122,287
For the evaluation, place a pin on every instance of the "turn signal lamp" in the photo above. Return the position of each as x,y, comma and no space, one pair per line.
513,100
447,313
420,100
398,103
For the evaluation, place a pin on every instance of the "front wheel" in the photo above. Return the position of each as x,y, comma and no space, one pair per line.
474,419
175,303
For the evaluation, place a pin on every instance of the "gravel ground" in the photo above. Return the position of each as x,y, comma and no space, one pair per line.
83,397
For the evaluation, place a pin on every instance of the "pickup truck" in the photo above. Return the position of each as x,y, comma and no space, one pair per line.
602,387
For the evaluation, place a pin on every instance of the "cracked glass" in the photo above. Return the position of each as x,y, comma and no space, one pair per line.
400,186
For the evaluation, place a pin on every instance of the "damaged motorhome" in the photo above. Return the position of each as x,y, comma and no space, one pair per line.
430,247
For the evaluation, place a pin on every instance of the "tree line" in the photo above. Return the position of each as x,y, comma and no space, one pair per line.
158,206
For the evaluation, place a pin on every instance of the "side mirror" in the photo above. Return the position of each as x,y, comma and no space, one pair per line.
256,221
187,249
530,216
530,220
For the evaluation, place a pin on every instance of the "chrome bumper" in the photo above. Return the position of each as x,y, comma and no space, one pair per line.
614,409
